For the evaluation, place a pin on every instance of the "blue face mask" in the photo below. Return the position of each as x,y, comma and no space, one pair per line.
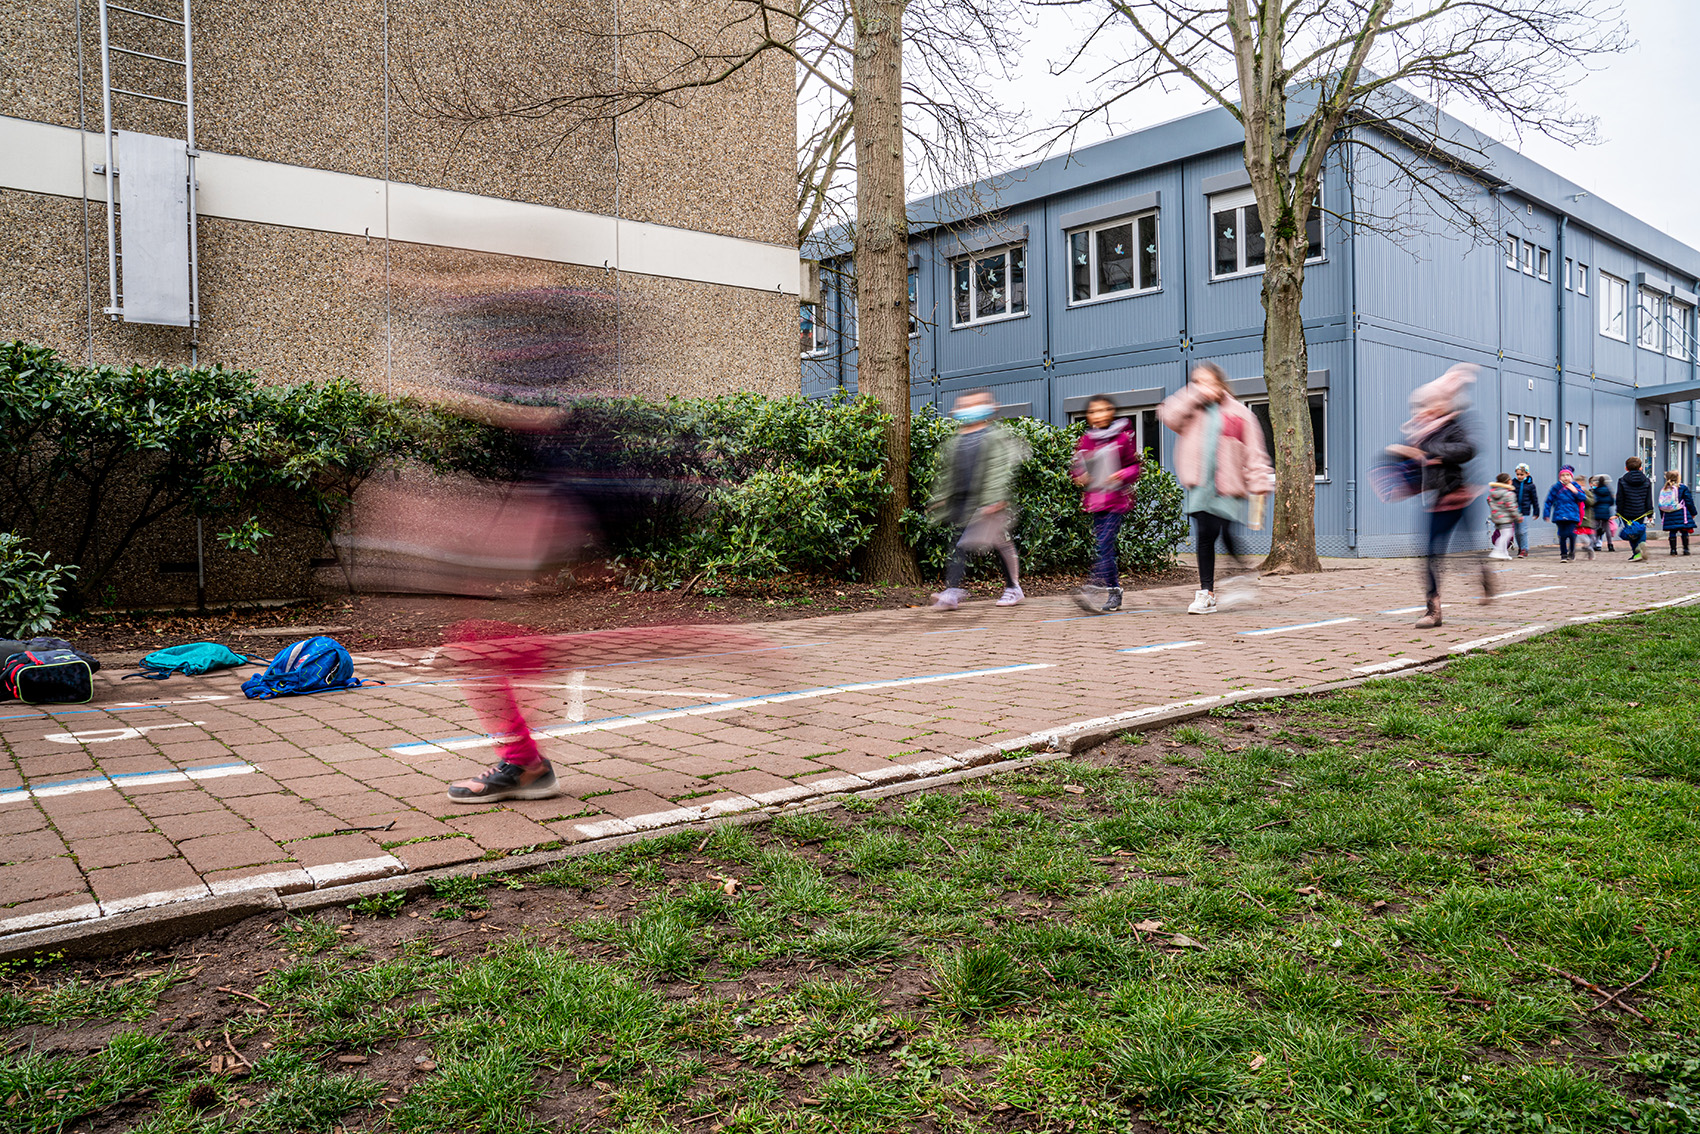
970,414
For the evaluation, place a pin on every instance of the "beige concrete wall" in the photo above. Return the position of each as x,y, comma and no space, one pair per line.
304,83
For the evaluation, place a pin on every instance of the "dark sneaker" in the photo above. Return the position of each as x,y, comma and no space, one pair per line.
503,782
1113,602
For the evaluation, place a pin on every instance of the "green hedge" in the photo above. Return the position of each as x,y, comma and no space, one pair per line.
690,489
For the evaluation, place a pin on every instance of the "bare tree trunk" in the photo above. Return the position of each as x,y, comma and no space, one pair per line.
1286,369
882,267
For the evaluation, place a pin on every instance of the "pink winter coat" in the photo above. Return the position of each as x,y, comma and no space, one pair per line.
1111,498
1242,463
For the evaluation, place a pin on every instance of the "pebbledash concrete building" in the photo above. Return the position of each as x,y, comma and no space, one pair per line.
290,198
1111,269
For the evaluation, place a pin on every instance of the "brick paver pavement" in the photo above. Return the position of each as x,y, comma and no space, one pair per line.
190,790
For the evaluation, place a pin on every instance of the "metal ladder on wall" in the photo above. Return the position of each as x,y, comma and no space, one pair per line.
151,212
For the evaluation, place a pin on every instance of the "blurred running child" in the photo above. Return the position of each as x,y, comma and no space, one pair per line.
1676,509
1502,510
1106,467
972,491
1221,463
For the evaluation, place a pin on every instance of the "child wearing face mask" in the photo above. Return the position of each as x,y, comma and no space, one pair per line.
972,492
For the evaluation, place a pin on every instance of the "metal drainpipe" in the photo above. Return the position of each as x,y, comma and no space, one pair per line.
1558,286
838,327
1044,292
1351,384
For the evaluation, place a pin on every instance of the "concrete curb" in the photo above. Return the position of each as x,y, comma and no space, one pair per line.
167,924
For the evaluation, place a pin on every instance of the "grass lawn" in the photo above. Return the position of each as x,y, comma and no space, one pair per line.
1349,913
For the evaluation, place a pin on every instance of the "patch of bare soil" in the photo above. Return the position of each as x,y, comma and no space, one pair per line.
593,599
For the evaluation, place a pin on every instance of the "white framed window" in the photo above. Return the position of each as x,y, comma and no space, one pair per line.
814,341
1582,439
1679,339
1236,233
914,303
1318,428
1528,257
1581,278
1113,259
1614,308
1513,431
1528,433
1511,246
1650,319
989,286
1567,437
1543,264
1569,273
1543,434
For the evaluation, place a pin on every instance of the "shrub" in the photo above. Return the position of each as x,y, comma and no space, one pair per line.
29,588
1052,534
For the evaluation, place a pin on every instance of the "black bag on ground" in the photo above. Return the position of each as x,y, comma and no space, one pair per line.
48,677
9,647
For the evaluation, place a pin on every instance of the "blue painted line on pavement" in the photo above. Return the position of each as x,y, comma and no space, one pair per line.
1295,626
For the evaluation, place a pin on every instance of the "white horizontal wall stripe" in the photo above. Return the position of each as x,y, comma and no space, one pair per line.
39,158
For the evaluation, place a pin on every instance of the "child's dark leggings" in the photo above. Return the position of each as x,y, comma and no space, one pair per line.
1207,529
1566,538
1684,535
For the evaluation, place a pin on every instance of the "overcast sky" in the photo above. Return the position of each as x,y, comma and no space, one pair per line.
1647,161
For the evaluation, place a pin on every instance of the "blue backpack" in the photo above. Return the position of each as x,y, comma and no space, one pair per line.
316,665
193,659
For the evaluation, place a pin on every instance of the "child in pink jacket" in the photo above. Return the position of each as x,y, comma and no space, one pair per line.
1221,462
1106,467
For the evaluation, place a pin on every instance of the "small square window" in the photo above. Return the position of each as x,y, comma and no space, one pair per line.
1569,274
1528,433
1511,243
1582,439
989,285
1528,258
1544,427
1513,430
1581,278
1543,264
1567,437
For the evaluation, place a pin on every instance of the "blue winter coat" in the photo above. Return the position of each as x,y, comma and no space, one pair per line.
1528,497
1680,518
1564,503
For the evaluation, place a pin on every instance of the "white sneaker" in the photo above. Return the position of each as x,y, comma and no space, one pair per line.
948,599
1499,552
1204,602
1010,596
1236,592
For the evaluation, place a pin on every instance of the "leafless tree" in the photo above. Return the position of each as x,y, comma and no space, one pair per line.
1305,76
894,94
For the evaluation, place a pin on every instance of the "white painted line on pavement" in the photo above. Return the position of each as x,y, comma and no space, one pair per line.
1413,609
1678,601
50,918
1159,646
1647,575
108,735
607,724
1295,626
133,779
1389,665
1530,591
356,870
157,898
1464,647
283,881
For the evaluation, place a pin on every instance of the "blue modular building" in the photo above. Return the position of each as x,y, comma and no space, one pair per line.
1111,269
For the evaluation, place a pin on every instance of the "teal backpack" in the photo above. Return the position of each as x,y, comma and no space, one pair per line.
192,659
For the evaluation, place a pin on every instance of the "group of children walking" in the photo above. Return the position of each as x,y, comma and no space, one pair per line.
1588,513
1224,471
